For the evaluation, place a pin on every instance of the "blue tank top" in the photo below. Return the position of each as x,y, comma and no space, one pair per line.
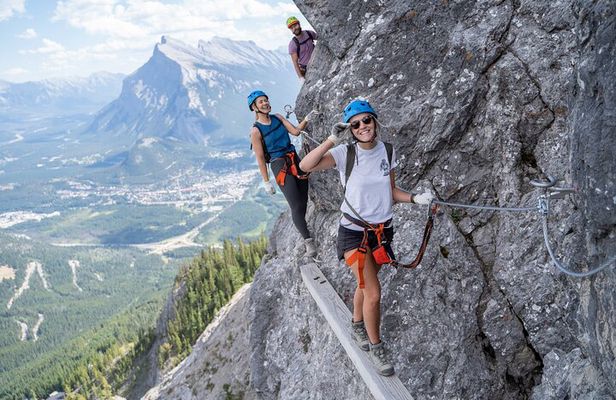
276,138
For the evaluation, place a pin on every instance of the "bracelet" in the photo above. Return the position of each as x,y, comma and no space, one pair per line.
411,198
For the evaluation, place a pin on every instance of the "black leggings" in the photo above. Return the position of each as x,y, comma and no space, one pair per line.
296,192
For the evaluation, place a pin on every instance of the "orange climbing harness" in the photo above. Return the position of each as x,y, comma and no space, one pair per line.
382,253
290,166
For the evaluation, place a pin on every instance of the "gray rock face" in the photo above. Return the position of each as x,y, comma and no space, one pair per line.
478,98
146,372
217,368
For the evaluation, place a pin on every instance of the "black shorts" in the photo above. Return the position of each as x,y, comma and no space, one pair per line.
348,239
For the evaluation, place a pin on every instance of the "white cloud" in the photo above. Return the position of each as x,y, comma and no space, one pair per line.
202,19
114,53
49,46
28,34
124,32
15,72
10,7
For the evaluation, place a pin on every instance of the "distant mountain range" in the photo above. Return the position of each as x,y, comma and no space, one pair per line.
197,94
153,122
60,96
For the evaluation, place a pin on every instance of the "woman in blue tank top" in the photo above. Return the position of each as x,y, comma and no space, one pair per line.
270,141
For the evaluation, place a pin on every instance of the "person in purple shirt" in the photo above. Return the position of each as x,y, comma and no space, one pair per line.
300,46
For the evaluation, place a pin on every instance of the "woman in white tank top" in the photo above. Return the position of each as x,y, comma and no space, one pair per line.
369,196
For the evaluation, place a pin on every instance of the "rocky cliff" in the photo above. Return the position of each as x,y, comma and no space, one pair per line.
217,368
479,98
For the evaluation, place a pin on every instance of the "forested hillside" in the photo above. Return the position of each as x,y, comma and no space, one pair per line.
93,361
209,281
63,305
96,358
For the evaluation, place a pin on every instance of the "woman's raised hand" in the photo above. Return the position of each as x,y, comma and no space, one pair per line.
337,133
423,199
311,115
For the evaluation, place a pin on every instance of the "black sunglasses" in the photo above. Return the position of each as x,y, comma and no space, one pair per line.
367,120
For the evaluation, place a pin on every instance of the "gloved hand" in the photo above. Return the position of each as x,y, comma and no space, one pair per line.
423,199
269,188
311,115
337,133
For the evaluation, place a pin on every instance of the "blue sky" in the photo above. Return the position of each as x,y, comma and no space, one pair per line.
46,39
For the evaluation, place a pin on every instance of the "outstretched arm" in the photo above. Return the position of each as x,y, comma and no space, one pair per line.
293,130
399,195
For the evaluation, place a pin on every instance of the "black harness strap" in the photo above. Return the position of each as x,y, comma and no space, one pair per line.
350,160
298,43
424,241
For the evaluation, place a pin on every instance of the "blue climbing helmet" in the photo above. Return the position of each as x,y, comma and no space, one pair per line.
253,96
355,107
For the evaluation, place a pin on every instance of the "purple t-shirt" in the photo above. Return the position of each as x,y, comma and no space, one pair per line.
306,47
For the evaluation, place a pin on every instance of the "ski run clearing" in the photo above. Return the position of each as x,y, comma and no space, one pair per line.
30,268
74,264
36,327
34,332
24,330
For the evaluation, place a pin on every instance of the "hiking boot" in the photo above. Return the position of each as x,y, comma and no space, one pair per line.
360,335
311,247
379,358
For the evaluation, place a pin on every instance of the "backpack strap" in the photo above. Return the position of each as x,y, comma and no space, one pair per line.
389,148
350,160
296,40
298,44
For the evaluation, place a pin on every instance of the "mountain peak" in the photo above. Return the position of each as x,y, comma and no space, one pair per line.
219,51
177,50
238,52
191,93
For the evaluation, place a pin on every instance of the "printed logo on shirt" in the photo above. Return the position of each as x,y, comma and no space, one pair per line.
384,167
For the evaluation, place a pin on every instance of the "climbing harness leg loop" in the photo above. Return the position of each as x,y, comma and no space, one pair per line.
290,166
359,257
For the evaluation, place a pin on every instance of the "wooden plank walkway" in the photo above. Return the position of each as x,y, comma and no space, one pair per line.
339,318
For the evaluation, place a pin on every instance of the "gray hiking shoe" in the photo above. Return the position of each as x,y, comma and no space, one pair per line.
360,335
311,247
379,358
